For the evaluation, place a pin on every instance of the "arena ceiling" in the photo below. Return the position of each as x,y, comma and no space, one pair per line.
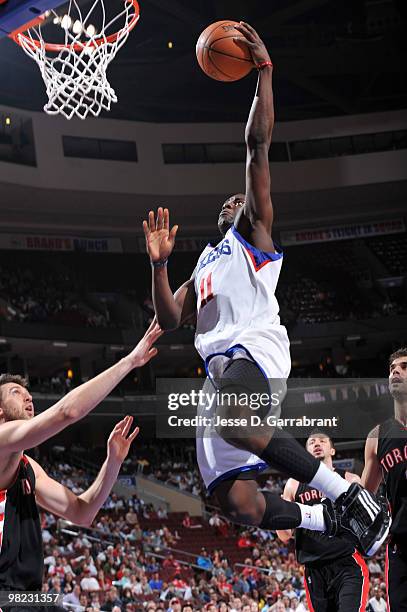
332,58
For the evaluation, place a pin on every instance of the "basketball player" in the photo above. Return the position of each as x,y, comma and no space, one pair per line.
386,460
238,334
23,482
336,577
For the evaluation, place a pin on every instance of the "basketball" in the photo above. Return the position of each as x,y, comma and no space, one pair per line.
219,56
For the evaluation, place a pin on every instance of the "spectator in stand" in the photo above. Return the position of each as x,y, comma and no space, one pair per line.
203,560
68,582
164,591
278,607
377,603
131,517
104,582
175,605
95,601
302,606
112,600
219,524
72,598
171,563
55,586
162,513
155,582
244,541
83,600
88,582
179,585
374,567
146,588
224,587
289,591
188,523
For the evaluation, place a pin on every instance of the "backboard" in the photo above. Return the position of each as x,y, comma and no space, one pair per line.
15,13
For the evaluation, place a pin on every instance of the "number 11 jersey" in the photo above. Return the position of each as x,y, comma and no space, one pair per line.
235,285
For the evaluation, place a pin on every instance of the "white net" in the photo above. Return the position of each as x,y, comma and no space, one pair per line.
75,70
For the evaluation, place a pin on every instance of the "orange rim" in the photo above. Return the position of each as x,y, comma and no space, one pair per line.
55,48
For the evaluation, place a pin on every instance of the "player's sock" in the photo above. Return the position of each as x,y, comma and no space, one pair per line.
312,517
279,513
329,483
286,455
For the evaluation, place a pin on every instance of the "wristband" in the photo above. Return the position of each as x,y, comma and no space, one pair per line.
159,264
262,65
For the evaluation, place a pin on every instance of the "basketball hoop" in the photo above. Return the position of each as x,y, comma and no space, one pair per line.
74,70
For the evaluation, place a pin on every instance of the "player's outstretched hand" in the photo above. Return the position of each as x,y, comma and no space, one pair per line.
120,441
252,40
160,239
145,350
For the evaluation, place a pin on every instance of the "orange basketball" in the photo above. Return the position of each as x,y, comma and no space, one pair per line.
219,56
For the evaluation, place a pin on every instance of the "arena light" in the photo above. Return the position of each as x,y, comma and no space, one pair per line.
3,340
66,22
8,121
77,27
90,30
60,344
170,44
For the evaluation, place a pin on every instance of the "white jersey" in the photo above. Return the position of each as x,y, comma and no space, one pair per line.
237,316
235,285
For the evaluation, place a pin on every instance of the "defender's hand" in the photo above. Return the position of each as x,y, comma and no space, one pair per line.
252,40
119,441
159,239
144,351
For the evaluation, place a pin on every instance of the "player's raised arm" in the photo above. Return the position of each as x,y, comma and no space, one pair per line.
20,434
82,509
171,309
258,208
372,473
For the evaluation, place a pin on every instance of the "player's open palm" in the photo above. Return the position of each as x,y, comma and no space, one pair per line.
120,439
160,239
144,351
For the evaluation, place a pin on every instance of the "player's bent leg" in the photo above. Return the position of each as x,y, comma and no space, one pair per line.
274,446
278,448
242,502
363,518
